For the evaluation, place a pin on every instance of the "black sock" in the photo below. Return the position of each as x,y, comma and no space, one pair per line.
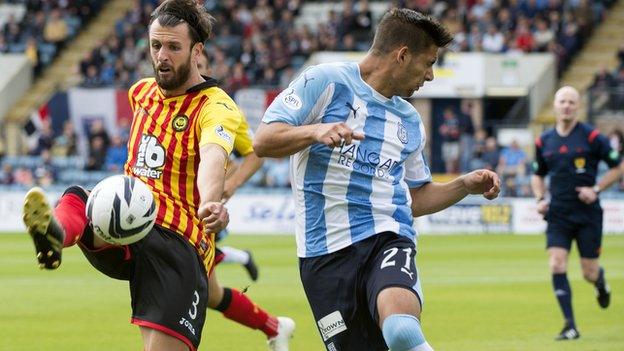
225,301
563,293
600,282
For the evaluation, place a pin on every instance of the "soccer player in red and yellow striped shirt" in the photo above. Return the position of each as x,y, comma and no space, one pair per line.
181,136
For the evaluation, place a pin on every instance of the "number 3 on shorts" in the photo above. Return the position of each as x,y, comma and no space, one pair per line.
193,311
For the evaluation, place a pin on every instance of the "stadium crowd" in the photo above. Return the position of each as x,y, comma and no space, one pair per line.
258,44
45,28
607,89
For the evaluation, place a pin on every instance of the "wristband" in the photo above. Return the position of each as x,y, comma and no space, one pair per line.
596,189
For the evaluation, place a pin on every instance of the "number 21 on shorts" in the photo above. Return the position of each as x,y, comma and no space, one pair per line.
390,260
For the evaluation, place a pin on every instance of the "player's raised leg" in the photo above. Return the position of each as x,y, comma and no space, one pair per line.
242,257
52,229
238,307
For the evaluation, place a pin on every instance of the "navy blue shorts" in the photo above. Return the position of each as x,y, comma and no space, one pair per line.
342,288
580,223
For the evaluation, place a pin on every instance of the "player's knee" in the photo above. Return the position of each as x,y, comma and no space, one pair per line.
590,274
558,264
78,191
402,332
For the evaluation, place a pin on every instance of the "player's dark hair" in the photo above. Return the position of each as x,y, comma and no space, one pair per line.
405,27
173,12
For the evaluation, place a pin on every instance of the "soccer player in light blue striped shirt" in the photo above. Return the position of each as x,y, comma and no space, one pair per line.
359,176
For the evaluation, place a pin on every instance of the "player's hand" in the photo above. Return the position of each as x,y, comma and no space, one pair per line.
586,194
542,207
333,134
484,182
214,216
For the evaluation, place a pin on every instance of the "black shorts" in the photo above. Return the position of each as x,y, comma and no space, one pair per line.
342,288
580,223
168,281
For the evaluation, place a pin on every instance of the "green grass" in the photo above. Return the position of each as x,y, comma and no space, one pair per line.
482,293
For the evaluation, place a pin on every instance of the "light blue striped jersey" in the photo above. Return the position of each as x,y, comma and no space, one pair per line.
346,194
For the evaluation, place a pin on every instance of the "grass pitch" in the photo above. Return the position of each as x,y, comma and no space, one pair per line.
485,293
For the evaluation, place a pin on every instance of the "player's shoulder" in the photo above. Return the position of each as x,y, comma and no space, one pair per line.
220,102
590,132
325,73
140,85
587,128
547,134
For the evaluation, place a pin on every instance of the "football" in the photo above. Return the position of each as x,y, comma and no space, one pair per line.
121,209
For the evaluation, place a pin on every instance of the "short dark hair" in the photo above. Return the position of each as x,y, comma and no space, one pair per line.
173,12
405,27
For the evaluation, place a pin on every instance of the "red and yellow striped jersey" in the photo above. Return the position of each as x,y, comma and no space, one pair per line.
163,150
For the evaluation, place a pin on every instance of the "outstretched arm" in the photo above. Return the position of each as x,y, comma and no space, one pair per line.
279,139
434,197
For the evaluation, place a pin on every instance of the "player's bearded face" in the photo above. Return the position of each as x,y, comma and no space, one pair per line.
169,77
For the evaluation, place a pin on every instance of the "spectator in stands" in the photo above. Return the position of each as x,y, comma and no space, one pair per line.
97,130
4,47
56,30
6,175
348,43
130,54
279,55
524,38
512,161
32,53
65,144
269,78
97,154
601,87
220,67
466,140
24,177
44,172
116,155
12,32
363,23
2,147
543,35
493,40
92,79
620,55
450,130
237,80
617,91
486,156
45,139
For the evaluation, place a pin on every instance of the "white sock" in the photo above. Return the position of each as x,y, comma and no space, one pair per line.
233,255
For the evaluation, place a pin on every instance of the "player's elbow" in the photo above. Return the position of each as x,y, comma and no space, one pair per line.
261,147
261,141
